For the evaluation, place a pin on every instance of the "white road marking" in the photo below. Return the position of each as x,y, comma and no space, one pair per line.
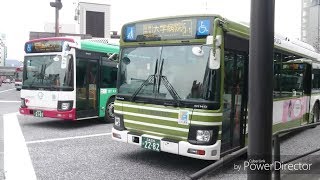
17,161
10,101
7,90
67,138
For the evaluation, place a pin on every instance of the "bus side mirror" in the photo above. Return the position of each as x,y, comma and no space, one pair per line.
214,59
126,60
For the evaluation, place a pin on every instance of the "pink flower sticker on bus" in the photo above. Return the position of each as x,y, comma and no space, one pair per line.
293,109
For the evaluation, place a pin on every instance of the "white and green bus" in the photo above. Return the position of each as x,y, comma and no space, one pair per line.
71,79
183,85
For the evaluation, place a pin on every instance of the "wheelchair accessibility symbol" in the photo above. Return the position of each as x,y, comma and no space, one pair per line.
29,47
203,27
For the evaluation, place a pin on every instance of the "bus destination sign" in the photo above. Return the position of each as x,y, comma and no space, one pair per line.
44,46
171,29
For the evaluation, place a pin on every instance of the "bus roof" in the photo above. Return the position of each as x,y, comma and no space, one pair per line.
242,30
99,47
52,38
280,41
84,44
173,17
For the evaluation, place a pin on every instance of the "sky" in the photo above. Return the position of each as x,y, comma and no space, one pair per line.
19,17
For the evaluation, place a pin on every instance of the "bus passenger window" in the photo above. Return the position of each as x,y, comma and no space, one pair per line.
316,80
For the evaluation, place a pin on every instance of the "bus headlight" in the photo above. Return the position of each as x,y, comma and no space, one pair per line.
65,105
117,121
203,135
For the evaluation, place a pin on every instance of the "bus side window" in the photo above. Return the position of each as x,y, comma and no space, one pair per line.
316,79
277,75
108,75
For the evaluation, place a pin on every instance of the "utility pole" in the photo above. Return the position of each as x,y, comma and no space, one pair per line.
261,89
57,5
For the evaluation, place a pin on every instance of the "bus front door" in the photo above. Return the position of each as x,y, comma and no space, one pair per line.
235,100
86,86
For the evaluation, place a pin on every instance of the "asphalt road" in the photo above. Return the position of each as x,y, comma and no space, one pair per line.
84,150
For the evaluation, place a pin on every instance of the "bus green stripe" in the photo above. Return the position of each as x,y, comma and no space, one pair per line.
151,112
116,107
168,114
206,118
150,105
156,129
156,121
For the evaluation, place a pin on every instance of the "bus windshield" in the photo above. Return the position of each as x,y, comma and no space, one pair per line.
188,75
49,72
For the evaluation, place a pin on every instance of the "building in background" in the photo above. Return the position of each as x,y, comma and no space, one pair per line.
310,21
3,49
94,18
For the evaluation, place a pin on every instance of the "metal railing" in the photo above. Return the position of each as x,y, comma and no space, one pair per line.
276,151
216,165
276,154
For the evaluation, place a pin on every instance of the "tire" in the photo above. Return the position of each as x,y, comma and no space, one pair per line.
315,116
109,112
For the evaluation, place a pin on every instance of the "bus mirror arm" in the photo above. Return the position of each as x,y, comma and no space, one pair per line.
214,58
112,56
216,41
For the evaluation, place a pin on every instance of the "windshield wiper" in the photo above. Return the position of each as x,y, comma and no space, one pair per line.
154,80
171,90
169,86
147,81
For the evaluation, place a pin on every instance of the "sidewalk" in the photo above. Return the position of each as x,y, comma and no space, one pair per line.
17,163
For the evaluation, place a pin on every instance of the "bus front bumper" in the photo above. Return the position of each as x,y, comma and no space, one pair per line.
184,148
68,115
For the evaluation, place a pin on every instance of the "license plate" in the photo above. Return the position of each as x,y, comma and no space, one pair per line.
151,144
38,113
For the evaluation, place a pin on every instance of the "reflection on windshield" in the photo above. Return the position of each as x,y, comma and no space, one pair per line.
48,72
178,73
142,64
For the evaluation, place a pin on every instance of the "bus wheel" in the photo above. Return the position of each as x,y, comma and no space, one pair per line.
315,117
109,114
